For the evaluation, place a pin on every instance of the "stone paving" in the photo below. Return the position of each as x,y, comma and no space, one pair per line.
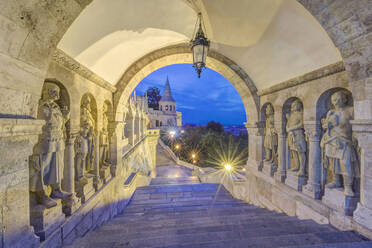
176,211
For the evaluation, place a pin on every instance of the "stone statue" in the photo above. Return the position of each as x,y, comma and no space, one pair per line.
82,158
271,138
85,144
48,162
104,140
296,138
338,148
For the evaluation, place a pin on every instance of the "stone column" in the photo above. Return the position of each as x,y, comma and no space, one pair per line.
255,145
17,140
362,130
130,134
97,180
282,152
313,186
71,204
117,130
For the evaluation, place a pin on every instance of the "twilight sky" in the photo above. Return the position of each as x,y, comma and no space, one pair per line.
211,97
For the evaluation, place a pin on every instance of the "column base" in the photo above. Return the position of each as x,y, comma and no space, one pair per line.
255,165
294,181
46,220
97,182
71,204
335,198
269,168
280,176
85,191
105,174
363,216
312,191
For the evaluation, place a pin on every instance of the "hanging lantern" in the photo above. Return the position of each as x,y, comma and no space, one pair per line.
199,47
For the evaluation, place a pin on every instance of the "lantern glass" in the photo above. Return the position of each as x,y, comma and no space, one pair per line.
198,52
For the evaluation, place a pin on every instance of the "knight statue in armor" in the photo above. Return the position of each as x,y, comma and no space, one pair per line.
270,136
47,163
338,146
296,138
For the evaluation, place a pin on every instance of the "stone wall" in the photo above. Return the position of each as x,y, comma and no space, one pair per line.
105,194
271,181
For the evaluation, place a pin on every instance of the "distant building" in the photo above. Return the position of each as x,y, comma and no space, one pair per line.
167,115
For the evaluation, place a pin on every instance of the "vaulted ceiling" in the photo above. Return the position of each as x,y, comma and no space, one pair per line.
272,40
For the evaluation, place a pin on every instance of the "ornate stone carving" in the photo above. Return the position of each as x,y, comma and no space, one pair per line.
47,163
66,61
296,138
338,146
270,136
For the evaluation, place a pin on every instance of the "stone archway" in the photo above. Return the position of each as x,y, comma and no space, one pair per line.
37,28
181,54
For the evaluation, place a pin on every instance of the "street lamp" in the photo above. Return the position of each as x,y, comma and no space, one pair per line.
199,47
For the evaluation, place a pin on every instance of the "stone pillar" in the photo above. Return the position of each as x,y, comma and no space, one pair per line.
152,141
71,204
282,159
117,131
255,146
17,140
130,133
362,130
97,181
313,186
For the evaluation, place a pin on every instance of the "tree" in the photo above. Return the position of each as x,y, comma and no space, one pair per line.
153,97
215,127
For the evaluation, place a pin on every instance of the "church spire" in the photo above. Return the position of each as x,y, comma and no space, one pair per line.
167,94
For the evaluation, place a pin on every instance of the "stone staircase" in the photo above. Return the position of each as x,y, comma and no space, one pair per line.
185,213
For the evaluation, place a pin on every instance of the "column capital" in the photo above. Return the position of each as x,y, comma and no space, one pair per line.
312,130
255,128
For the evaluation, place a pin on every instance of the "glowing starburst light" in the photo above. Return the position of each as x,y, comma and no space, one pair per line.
228,167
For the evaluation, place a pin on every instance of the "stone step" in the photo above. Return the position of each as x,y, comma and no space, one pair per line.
209,203
194,212
195,215
141,225
174,181
365,244
317,240
210,234
152,198
179,188
132,234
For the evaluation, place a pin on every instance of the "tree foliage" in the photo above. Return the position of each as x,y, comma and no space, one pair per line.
211,145
153,97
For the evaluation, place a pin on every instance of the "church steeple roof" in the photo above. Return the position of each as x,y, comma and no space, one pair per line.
167,94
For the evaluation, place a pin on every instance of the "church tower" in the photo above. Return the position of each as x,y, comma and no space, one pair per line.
167,102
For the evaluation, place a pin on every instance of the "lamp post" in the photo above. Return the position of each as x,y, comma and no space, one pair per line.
199,47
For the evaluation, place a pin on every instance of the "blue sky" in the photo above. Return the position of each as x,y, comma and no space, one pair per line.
211,97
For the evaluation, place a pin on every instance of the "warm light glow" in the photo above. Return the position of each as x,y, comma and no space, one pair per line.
228,167
193,155
182,131
177,146
193,161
